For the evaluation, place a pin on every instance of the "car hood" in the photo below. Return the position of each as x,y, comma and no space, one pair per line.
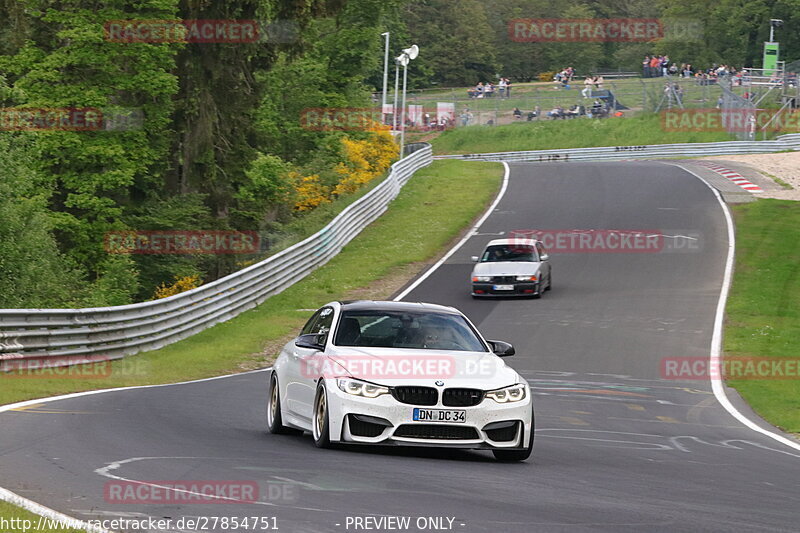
506,268
395,366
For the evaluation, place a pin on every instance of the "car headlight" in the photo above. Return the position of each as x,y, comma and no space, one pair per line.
360,388
514,393
481,278
526,278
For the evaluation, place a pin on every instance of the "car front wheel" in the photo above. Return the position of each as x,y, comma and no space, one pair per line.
320,424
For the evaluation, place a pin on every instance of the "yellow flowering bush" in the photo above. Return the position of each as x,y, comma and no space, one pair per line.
310,192
366,160
182,284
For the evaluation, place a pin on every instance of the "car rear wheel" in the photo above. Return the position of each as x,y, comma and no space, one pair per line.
515,456
274,418
320,423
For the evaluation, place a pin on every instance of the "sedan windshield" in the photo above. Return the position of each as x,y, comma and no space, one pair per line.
399,329
508,252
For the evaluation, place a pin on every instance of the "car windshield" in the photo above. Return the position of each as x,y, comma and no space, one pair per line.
400,329
508,252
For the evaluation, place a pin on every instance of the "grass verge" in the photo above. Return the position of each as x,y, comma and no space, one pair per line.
22,520
431,210
763,315
575,133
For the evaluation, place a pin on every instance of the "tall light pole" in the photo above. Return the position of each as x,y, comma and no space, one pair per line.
385,74
396,90
404,59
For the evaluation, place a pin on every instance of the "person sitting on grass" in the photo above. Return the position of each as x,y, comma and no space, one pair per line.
517,113
556,113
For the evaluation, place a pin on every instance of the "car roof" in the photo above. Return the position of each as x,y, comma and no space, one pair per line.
515,241
388,305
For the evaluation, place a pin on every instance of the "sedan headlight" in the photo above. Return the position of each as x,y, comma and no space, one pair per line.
360,388
514,393
526,278
481,278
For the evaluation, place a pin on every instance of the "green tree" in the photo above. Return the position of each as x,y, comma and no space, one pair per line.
456,39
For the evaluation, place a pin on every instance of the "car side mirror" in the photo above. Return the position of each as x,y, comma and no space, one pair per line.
475,258
312,341
544,257
502,349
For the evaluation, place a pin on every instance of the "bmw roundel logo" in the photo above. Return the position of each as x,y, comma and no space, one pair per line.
439,383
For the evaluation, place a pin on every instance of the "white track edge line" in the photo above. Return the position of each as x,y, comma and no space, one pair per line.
716,338
46,512
469,234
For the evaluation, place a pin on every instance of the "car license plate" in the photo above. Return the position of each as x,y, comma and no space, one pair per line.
439,415
504,287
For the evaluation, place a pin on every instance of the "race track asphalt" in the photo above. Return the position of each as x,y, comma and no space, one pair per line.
618,448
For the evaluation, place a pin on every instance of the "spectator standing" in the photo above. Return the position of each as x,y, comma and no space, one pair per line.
587,87
655,64
646,67
508,88
502,87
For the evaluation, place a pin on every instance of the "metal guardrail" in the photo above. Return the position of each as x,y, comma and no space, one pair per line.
657,151
60,337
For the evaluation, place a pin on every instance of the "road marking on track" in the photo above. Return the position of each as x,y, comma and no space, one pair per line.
715,356
634,406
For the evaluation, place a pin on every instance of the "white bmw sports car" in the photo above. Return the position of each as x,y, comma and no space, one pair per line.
396,373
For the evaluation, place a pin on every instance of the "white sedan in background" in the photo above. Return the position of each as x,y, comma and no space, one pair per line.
396,373
512,267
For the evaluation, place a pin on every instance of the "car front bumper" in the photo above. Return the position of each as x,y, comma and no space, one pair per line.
519,289
386,421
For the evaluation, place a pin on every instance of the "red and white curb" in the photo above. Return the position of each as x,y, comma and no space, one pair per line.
733,176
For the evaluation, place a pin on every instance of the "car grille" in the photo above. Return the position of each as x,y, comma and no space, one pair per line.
462,397
416,395
504,279
360,428
432,431
505,434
